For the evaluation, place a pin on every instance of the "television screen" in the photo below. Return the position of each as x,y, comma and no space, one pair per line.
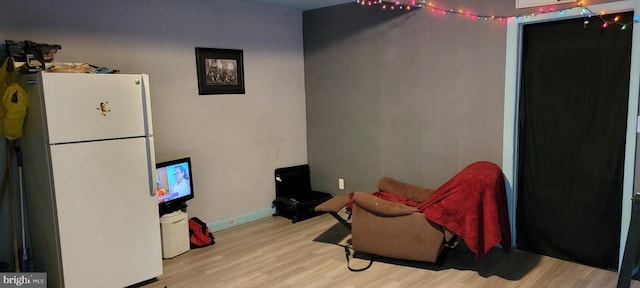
174,183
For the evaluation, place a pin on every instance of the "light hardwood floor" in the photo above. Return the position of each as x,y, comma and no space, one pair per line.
273,252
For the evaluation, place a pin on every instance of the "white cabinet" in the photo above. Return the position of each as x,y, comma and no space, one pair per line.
174,228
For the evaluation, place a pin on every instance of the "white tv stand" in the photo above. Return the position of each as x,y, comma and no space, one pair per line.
174,228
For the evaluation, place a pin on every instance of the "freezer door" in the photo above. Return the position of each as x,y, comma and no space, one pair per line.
84,107
108,222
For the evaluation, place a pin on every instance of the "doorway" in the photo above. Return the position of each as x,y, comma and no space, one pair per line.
511,139
572,121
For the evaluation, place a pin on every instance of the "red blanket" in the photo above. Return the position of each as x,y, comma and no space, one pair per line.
472,204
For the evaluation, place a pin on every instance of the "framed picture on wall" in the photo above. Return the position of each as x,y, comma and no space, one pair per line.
220,71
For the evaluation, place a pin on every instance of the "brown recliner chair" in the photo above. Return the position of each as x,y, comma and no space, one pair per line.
391,229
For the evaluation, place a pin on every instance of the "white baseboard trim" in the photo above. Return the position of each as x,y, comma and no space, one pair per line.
240,219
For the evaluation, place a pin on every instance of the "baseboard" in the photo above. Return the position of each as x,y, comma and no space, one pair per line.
241,219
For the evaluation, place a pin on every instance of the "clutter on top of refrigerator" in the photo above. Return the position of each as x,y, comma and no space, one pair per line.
35,55
79,68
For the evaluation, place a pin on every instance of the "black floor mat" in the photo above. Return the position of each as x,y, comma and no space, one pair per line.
334,235
512,266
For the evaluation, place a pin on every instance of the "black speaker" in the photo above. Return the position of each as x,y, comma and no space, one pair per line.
294,197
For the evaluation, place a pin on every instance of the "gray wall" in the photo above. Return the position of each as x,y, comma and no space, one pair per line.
406,94
413,95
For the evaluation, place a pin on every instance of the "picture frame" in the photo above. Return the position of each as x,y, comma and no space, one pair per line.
220,71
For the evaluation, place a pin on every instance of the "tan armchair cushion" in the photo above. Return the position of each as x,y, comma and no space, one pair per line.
381,207
334,204
409,237
413,192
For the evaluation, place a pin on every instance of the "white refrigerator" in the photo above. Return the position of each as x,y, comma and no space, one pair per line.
89,172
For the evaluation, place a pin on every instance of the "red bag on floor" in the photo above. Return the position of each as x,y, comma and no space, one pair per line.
199,234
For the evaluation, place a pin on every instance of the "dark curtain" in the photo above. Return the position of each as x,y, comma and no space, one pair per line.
572,125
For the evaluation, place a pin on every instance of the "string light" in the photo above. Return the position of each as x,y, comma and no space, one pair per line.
413,4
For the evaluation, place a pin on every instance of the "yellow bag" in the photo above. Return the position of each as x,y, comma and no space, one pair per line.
13,111
13,107
8,73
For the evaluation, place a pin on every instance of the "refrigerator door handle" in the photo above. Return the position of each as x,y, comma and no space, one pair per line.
148,127
148,130
151,160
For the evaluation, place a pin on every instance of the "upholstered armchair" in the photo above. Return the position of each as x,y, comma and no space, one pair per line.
391,229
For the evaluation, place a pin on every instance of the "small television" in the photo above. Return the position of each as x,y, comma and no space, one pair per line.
174,185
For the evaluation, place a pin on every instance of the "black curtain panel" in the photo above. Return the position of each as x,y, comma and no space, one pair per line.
572,125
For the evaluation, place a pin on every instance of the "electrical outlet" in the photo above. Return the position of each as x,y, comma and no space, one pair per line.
340,183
